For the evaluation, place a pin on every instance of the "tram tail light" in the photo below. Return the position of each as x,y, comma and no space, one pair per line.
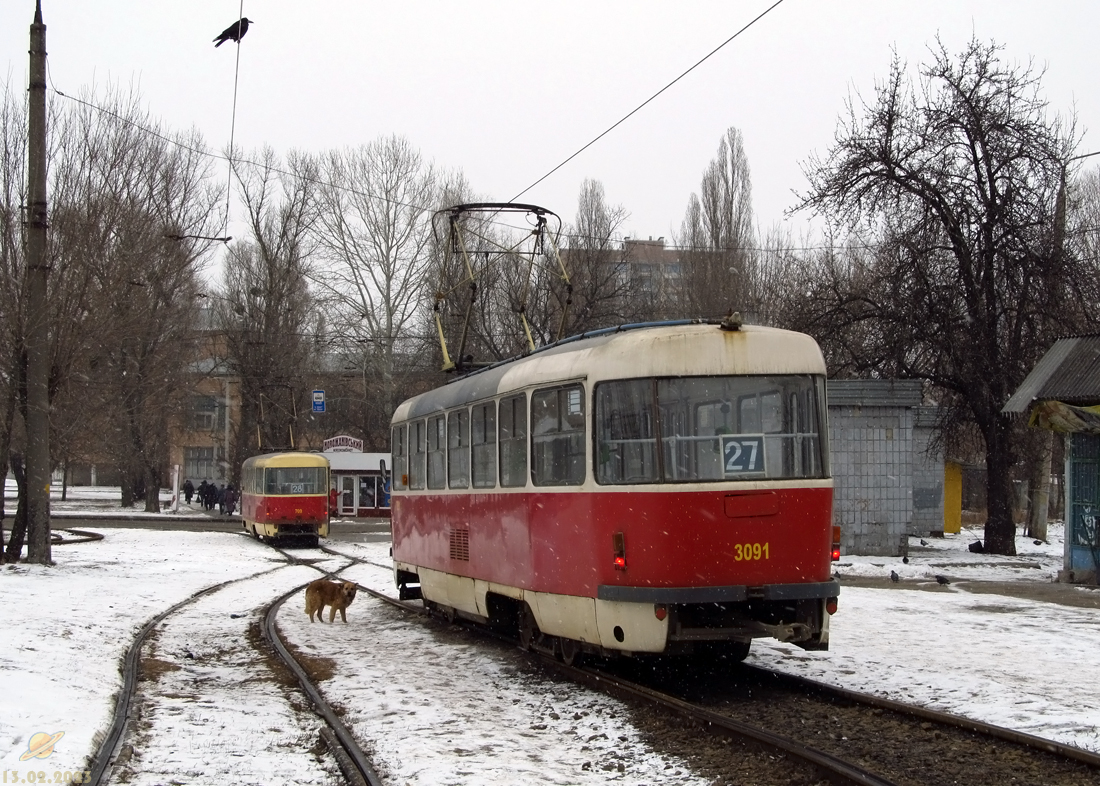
618,545
830,605
660,611
835,551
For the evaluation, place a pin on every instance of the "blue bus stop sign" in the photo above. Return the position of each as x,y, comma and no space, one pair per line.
318,401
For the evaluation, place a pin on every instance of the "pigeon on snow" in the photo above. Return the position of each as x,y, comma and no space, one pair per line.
923,542
894,576
905,560
942,580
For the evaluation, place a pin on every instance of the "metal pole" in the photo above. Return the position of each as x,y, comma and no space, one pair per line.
226,456
37,317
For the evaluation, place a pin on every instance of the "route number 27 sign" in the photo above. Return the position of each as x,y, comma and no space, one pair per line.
743,454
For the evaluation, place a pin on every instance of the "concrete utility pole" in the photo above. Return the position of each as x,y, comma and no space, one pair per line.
37,335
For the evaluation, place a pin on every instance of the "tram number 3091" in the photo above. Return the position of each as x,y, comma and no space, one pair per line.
746,552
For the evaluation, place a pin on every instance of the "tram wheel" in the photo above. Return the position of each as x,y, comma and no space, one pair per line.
570,651
528,628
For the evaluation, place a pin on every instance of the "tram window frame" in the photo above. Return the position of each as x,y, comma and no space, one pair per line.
702,424
512,440
417,453
458,448
558,446
626,436
399,456
483,445
437,452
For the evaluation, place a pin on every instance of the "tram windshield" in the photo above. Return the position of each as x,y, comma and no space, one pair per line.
710,429
296,480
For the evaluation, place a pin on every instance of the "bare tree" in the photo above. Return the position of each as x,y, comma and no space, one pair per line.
265,309
956,180
599,274
717,237
128,199
373,236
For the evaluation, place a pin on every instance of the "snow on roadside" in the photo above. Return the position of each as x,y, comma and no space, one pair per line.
949,555
67,627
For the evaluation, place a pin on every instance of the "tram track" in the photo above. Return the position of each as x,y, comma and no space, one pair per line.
901,744
928,746
1031,741
112,750
836,769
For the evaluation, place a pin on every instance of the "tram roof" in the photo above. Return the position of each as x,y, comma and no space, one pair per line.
289,459
671,350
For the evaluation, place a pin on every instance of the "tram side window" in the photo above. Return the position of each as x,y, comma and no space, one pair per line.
458,449
400,452
626,441
557,436
513,441
437,452
483,439
417,446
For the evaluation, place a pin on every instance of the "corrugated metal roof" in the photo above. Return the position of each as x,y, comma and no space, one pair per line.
1068,372
874,392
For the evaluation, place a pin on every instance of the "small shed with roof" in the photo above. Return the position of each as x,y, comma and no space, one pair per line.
1062,393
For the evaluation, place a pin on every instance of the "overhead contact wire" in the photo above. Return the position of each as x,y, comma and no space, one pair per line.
640,106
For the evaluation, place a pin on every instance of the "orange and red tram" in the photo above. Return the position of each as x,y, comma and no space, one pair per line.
285,494
659,488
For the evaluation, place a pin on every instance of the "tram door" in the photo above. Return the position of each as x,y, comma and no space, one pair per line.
347,495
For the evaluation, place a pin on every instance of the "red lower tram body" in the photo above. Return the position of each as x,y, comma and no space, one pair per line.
632,571
272,516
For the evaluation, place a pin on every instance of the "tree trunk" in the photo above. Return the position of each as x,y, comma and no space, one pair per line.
1000,530
19,525
127,489
1040,488
152,490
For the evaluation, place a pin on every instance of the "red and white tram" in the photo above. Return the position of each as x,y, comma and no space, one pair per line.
654,488
285,494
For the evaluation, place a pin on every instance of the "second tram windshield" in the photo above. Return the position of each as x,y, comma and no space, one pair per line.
709,429
295,480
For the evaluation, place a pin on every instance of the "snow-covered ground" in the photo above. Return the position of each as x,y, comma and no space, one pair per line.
432,709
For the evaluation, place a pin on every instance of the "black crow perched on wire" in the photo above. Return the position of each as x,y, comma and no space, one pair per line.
894,576
942,580
235,32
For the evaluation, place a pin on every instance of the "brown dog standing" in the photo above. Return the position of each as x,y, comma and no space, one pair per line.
338,595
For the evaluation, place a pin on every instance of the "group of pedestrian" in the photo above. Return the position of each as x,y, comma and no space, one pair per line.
209,495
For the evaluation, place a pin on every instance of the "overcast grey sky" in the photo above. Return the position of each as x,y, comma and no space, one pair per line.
505,91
